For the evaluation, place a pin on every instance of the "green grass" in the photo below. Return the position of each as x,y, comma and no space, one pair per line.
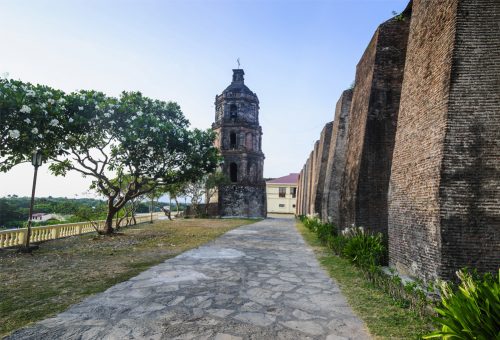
63,272
382,315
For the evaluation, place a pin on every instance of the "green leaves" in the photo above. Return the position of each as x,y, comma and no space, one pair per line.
31,117
472,310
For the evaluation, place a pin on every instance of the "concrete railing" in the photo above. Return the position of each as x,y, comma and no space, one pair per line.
15,237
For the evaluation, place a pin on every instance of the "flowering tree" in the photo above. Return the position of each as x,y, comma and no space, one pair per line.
146,140
32,117
104,138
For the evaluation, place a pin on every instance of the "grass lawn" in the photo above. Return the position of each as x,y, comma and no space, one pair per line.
384,318
62,272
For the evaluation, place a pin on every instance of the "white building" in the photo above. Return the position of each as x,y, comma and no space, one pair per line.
282,194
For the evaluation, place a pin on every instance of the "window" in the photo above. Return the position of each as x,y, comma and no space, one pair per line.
233,143
233,111
293,191
282,192
281,205
233,172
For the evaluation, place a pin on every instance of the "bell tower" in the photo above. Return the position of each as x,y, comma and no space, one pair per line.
239,139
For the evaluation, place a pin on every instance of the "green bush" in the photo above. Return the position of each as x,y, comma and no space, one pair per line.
472,311
363,249
337,244
322,230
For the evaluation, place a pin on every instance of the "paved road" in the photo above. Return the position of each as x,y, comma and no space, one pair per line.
259,281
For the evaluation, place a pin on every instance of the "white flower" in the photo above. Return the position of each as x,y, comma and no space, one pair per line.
139,113
34,130
43,105
30,93
25,109
40,135
14,134
71,120
107,115
27,120
51,101
80,108
61,100
112,122
54,122
47,93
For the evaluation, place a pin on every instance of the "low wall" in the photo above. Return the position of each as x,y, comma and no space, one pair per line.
16,237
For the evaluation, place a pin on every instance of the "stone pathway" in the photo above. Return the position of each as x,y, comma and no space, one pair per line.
259,281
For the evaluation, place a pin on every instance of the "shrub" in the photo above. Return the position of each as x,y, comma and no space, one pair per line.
363,249
322,230
470,312
337,244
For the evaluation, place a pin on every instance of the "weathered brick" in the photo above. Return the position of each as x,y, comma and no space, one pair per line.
312,179
336,160
445,184
372,127
321,163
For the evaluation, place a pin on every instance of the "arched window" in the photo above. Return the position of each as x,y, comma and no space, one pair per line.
233,111
233,141
233,172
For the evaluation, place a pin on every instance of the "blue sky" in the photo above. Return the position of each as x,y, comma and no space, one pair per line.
298,57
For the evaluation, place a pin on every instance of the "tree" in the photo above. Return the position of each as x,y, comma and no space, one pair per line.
91,214
34,117
212,183
204,187
100,137
175,190
145,139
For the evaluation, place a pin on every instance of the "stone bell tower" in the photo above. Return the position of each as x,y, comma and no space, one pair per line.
239,139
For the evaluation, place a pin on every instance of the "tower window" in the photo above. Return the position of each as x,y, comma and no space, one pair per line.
233,111
233,172
232,140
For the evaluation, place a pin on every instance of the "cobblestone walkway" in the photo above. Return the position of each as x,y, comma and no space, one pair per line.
259,281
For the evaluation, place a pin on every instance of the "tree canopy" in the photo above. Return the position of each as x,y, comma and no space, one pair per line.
144,140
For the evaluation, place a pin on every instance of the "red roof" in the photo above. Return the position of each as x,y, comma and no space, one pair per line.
293,178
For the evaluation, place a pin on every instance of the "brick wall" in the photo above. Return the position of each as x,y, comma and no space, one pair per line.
300,190
314,178
470,172
307,201
433,184
372,128
445,189
336,160
321,161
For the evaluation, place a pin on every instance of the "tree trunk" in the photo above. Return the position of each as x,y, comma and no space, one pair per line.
108,226
176,206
